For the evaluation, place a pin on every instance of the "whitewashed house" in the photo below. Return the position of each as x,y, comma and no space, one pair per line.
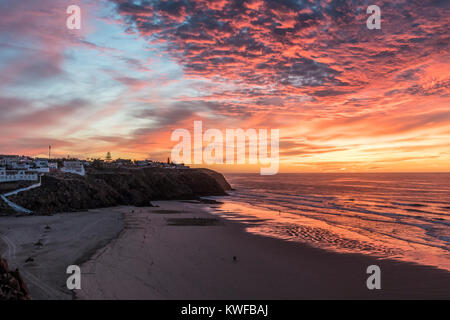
40,169
53,166
7,160
17,175
75,167
20,166
40,165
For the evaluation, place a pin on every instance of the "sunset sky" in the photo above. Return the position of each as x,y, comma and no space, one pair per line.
345,98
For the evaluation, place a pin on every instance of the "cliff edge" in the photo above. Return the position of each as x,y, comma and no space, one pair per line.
113,187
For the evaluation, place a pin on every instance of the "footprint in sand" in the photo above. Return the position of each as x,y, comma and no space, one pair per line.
29,259
39,244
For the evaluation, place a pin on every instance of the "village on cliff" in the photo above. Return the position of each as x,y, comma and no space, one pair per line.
25,168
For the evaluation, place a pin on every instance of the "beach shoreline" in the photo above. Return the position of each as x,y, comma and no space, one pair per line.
182,250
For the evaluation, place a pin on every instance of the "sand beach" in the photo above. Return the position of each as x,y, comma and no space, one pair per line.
182,250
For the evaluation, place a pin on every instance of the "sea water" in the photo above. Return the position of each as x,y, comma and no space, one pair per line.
404,216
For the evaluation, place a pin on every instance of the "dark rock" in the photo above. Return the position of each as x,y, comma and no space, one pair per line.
12,286
39,244
210,201
5,210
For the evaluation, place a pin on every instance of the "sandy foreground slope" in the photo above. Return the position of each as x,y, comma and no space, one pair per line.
180,250
42,247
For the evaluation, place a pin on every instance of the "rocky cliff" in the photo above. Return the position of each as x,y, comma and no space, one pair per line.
112,187
12,286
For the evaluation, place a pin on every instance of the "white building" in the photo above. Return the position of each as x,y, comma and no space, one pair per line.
8,160
40,165
17,175
53,165
40,169
20,166
75,167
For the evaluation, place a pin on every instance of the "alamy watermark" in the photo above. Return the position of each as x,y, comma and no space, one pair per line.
374,20
374,280
229,148
73,22
74,280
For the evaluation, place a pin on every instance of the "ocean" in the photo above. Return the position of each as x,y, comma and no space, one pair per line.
404,216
